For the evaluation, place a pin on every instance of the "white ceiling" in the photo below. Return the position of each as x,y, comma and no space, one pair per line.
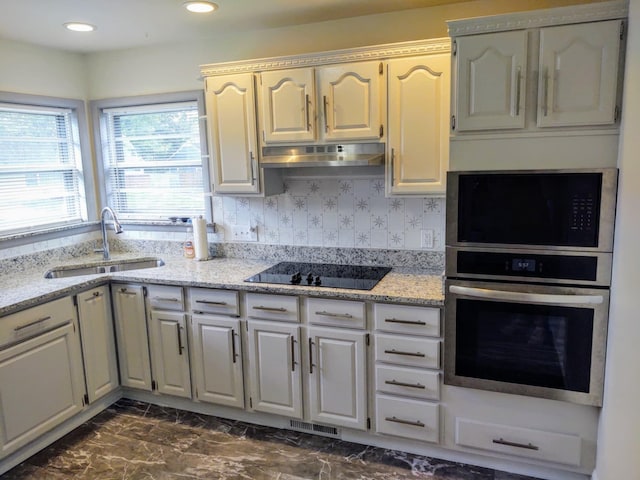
135,23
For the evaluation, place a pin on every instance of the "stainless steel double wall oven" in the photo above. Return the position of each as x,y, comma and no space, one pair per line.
528,266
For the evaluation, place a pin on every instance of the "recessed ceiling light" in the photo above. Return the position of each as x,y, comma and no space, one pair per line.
201,6
79,27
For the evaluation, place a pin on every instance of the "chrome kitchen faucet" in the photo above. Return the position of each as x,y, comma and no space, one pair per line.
116,226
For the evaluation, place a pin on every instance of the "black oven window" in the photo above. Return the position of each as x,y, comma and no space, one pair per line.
538,345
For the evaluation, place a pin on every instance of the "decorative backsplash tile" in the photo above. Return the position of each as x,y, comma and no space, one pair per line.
334,212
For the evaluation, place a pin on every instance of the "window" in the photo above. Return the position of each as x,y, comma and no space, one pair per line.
152,160
41,174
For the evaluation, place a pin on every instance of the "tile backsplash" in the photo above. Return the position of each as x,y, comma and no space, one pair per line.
335,212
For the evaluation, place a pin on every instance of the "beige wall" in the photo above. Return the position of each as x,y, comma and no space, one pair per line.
176,67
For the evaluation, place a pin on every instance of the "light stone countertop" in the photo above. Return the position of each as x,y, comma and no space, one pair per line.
28,288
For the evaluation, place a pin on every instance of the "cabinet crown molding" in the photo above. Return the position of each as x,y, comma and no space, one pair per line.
591,12
376,52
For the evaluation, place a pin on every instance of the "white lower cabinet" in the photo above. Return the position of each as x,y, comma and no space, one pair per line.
98,342
337,377
41,382
408,418
275,368
217,360
132,337
169,353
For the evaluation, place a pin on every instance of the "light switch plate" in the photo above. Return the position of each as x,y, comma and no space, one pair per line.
243,233
426,238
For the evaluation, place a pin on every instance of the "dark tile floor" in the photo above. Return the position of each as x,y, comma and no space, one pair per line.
135,440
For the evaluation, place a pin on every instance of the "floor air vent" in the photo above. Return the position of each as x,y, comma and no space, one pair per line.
310,427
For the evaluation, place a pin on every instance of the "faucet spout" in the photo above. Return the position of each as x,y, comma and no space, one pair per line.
103,224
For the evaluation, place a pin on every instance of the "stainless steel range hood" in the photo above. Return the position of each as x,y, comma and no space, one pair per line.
340,155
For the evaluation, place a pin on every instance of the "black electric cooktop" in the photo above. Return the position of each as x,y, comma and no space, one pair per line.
354,277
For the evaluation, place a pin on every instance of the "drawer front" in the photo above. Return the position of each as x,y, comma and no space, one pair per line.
415,352
272,307
404,417
407,319
336,313
36,320
410,382
222,302
523,442
163,297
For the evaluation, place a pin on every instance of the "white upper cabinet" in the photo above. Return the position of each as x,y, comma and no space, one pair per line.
491,72
418,146
578,74
231,117
287,105
351,101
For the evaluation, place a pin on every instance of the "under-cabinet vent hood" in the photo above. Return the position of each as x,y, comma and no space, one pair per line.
347,155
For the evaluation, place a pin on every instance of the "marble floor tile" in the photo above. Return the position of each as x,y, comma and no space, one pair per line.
136,440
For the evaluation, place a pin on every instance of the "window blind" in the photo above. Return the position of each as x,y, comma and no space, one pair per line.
41,183
152,161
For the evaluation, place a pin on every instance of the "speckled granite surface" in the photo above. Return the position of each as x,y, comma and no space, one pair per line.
22,284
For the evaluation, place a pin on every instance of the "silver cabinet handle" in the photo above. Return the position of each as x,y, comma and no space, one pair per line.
233,345
393,158
211,302
334,315
518,89
545,92
93,296
404,322
527,297
528,446
125,292
166,299
180,347
405,422
408,354
252,166
311,365
306,109
293,354
326,119
403,384
270,309
31,324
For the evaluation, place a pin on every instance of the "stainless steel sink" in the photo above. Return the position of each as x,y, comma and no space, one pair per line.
103,267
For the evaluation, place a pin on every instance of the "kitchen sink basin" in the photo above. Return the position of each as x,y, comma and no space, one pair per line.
103,267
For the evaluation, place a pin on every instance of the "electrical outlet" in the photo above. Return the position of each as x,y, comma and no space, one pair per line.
426,239
244,233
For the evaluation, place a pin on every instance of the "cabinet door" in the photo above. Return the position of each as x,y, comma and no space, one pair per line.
133,340
491,72
217,360
169,353
98,342
418,124
274,356
578,74
40,386
287,105
337,380
231,117
351,101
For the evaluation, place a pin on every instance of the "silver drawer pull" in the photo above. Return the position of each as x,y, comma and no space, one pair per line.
93,297
211,302
335,315
270,309
31,324
405,422
403,384
409,354
125,292
166,299
404,322
528,446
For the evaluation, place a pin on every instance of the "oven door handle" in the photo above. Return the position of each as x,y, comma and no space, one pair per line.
545,298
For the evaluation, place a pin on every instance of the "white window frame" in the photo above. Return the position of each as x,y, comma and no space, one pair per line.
140,103
84,167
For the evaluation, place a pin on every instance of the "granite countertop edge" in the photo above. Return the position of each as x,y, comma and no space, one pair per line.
29,288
